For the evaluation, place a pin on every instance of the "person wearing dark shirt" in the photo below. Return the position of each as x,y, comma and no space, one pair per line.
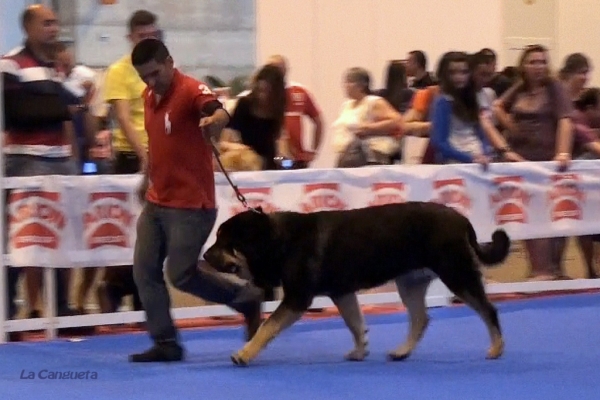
396,90
416,68
499,82
258,117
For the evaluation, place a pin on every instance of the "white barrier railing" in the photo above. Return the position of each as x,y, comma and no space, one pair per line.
86,221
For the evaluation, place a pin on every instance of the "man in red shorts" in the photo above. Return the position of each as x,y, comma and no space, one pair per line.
179,211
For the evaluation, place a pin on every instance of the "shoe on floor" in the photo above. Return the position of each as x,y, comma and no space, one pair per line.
160,352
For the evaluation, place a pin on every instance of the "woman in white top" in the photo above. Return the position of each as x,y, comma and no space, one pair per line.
367,129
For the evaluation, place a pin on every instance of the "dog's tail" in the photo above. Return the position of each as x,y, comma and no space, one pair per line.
490,253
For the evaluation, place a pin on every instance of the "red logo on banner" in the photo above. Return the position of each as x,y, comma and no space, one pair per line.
255,197
35,219
509,200
452,193
108,220
566,197
322,197
388,193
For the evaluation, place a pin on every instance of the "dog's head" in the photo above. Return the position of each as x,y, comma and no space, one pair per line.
242,245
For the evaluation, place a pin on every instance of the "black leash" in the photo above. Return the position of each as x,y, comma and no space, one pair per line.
238,194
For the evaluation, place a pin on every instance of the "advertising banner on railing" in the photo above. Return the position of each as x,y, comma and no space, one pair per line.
56,221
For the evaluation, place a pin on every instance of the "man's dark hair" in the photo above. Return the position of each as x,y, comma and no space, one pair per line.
420,58
491,54
148,50
141,18
480,58
589,98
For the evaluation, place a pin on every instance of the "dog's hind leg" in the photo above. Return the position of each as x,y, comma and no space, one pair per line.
350,311
282,318
466,283
412,288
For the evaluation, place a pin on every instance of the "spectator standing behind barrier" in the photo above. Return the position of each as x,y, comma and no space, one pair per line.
298,104
123,92
499,82
457,135
39,134
416,69
365,131
575,75
258,118
180,210
397,93
416,119
80,80
396,90
586,145
536,115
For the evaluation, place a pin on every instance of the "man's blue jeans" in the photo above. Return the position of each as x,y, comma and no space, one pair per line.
178,236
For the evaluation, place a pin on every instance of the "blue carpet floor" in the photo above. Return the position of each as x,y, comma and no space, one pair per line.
552,352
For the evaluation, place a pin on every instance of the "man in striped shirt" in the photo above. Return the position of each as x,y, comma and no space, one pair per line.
38,135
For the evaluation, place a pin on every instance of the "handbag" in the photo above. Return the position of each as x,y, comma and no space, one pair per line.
353,156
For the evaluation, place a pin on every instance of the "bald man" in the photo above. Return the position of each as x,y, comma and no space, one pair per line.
299,103
38,130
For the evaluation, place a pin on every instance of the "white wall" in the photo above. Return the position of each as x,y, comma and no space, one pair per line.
205,37
322,38
525,23
578,30
11,34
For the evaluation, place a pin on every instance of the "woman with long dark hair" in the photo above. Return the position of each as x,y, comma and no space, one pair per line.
536,113
457,136
396,90
258,118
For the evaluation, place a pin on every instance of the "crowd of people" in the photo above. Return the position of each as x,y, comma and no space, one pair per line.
58,122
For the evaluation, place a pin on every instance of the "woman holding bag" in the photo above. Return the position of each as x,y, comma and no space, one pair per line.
367,130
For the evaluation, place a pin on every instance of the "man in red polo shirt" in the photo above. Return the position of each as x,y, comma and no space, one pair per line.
179,211
299,103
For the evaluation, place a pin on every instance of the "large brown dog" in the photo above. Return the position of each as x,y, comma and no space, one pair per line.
337,253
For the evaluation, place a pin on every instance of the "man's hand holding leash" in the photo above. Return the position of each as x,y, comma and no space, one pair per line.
213,125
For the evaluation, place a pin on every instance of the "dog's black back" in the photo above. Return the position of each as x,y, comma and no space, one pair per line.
337,252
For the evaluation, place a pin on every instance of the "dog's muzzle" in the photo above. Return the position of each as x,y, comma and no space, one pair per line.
227,262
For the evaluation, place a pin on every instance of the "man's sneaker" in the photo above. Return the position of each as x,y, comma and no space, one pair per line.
160,352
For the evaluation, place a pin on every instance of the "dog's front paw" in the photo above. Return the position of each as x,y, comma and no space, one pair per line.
358,354
496,350
398,355
239,359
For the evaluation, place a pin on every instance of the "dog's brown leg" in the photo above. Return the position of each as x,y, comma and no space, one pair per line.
413,295
487,312
281,319
350,311
466,283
